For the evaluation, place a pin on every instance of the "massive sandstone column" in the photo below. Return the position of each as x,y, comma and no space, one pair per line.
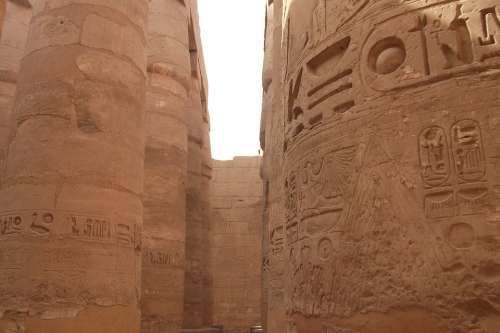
70,203
197,279
391,167
15,17
267,100
165,168
197,219
272,139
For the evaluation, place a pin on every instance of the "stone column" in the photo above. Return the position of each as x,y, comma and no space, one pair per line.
70,204
165,168
196,233
391,170
206,184
15,18
265,131
196,300
274,218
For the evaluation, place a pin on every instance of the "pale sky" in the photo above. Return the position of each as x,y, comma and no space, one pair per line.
232,34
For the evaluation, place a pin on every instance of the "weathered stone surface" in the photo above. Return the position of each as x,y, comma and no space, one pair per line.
236,232
70,200
106,176
382,204
197,312
15,19
165,166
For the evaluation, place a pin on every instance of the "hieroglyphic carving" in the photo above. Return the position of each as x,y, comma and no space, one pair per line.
320,83
319,188
452,157
11,224
292,198
38,223
128,235
490,24
321,90
161,258
434,156
310,286
325,248
292,233
277,240
468,150
42,223
91,229
309,23
431,44
68,224
454,191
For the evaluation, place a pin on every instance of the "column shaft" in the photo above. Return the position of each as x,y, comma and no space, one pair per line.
70,203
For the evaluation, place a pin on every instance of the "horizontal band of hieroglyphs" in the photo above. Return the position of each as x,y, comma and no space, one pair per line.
83,227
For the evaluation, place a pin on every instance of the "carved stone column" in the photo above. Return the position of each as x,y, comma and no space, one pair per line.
197,279
195,299
15,17
70,204
274,214
165,168
391,166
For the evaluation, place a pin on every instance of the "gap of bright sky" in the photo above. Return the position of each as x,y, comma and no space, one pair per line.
232,33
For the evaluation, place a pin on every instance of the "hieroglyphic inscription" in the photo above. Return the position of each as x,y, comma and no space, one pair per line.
434,156
38,223
320,83
468,151
454,175
161,258
309,289
42,223
92,229
68,224
325,248
309,23
277,240
434,43
128,235
318,191
11,224
321,90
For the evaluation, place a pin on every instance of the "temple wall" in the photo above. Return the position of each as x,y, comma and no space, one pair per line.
382,166
236,233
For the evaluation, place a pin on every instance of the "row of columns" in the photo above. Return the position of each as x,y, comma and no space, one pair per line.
94,158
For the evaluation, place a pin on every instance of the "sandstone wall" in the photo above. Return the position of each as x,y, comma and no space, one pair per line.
236,233
382,164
